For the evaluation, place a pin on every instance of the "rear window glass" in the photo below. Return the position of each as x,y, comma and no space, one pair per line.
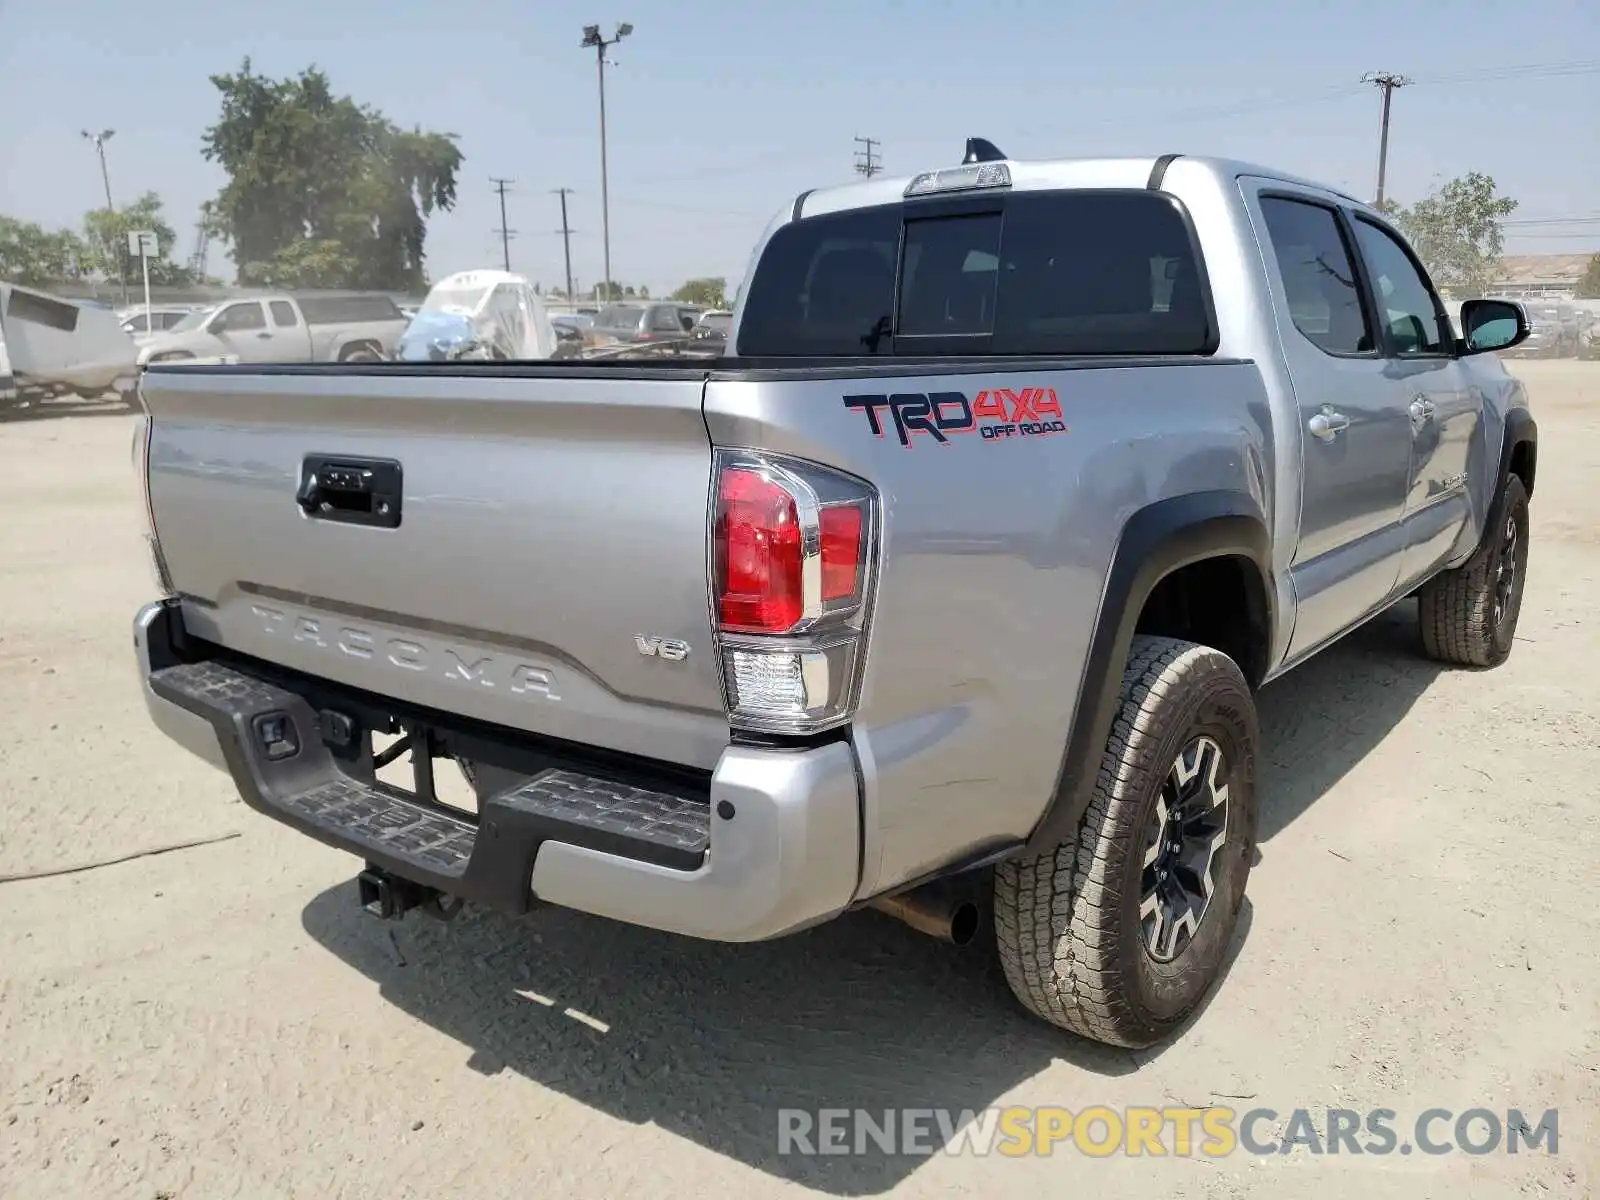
619,316
42,310
1081,272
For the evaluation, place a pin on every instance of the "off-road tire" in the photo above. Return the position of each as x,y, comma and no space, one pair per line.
1067,921
1456,609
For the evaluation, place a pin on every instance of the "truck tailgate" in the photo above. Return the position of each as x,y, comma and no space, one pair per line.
551,533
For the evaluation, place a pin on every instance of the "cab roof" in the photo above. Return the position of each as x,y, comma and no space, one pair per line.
1052,174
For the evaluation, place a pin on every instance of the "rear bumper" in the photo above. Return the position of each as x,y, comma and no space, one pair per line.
772,847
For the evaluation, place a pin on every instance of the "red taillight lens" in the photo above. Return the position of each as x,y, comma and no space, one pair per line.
841,552
758,554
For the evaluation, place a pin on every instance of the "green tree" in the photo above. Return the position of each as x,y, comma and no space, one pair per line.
106,237
1455,230
38,257
711,293
307,166
1589,285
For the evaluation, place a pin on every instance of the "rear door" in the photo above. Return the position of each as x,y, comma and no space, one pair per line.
539,530
290,341
1422,372
1355,433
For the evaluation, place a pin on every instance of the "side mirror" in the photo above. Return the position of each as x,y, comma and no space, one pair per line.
1492,325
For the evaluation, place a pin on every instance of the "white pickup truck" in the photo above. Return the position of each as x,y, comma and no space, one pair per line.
289,328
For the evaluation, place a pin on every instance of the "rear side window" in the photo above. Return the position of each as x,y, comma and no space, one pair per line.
348,310
282,313
1319,281
1034,273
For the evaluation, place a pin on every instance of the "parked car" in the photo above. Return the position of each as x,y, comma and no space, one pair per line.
54,347
137,323
491,315
713,328
1553,332
1588,334
1022,479
644,321
288,328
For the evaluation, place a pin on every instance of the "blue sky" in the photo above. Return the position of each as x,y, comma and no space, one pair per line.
721,112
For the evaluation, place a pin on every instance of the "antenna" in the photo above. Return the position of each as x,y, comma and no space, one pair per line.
982,150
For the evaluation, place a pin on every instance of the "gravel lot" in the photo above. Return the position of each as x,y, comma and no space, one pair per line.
221,1021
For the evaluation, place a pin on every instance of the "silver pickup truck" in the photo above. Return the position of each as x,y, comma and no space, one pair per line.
948,592
288,328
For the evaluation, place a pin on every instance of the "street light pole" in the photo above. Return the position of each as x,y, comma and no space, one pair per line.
593,37
100,139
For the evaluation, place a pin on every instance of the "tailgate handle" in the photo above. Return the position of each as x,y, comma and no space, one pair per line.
355,491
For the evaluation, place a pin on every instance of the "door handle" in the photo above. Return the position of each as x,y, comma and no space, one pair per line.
356,491
263,335
1328,424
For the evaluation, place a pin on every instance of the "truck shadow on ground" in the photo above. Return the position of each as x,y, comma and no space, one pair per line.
1324,717
710,1041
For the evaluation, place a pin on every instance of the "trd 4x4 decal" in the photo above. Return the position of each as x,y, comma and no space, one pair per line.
997,414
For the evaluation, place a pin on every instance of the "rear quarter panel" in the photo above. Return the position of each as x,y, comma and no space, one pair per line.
994,558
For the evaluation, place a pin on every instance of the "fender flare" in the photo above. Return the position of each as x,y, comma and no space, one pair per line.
1157,540
1520,430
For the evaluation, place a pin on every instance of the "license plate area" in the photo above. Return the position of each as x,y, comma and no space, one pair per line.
410,762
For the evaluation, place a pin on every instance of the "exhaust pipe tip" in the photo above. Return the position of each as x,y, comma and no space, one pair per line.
964,924
935,909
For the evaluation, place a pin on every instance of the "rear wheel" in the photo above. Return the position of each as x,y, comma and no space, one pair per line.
1469,615
1119,934
361,354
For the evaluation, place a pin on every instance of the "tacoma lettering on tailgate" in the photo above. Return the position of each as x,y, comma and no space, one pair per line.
408,654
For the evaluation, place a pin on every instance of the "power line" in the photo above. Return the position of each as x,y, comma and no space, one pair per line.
566,234
1387,82
866,162
1528,221
505,233
1548,70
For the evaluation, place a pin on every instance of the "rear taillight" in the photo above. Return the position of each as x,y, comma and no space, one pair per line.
759,555
791,580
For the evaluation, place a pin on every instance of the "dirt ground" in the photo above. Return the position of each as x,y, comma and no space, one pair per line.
221,1021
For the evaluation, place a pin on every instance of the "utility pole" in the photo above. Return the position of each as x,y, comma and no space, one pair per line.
100,139
866,163
566,235
505,233
1386,81
593,37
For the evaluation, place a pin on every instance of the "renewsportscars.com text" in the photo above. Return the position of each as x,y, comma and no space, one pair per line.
1101,1132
